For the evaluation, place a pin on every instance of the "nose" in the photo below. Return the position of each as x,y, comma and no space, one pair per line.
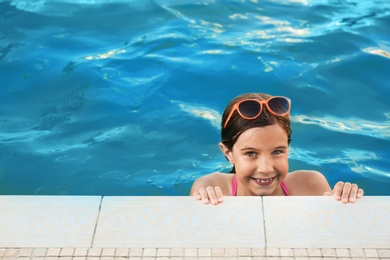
265,164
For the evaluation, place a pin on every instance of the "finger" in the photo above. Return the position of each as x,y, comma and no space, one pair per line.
219,194
346,191
212,195
203,195
353,193
328,193
337,190
196,195
360,193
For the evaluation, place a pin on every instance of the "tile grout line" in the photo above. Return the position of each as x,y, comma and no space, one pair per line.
264,227
97,221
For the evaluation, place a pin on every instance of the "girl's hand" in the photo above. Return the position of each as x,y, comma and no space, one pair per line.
345,192
209,194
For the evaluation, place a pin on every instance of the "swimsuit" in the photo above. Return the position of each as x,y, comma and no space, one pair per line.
234,187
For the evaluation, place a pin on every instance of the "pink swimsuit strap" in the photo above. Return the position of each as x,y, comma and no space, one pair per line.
284,187
234,187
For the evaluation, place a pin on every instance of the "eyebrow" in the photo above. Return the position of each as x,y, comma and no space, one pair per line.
251,148
281,147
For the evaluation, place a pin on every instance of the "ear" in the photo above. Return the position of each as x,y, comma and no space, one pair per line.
228,154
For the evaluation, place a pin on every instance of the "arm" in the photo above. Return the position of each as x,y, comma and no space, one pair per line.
208,188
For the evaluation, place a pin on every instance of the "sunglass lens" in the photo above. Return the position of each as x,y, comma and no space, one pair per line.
249,108
279,105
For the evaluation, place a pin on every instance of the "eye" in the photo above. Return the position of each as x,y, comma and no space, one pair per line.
277,152
250,154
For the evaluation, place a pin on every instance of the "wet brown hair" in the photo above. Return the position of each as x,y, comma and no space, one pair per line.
237,125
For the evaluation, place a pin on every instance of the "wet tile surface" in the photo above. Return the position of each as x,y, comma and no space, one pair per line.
322,222
179,222
48,221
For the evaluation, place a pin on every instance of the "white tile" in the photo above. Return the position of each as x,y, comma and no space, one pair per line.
48,221
179,222
322,222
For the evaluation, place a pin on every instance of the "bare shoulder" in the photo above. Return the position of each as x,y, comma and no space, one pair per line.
222,180
306,182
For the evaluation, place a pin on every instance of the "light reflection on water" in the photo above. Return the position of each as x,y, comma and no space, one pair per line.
348,125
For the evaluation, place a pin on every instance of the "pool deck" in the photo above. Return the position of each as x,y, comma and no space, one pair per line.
95,227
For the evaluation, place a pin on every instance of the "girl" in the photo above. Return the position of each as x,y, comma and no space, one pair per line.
256,135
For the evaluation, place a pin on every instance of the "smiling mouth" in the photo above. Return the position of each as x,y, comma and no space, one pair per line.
264,182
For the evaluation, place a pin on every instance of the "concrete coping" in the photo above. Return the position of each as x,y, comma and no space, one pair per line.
256,223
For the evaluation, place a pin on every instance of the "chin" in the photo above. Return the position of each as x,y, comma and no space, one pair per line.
263,193
266,194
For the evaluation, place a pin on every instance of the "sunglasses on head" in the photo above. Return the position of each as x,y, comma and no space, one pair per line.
251,108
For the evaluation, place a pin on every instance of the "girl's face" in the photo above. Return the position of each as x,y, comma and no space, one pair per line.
260,156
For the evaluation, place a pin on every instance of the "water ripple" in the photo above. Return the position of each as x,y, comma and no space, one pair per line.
377,51
200,111
348,125
356,160
20,137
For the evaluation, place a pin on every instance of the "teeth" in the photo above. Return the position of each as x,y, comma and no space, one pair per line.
264,181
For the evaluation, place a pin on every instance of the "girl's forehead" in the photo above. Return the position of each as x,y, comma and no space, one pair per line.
263,136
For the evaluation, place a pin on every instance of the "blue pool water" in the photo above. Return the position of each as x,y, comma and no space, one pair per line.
123,97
